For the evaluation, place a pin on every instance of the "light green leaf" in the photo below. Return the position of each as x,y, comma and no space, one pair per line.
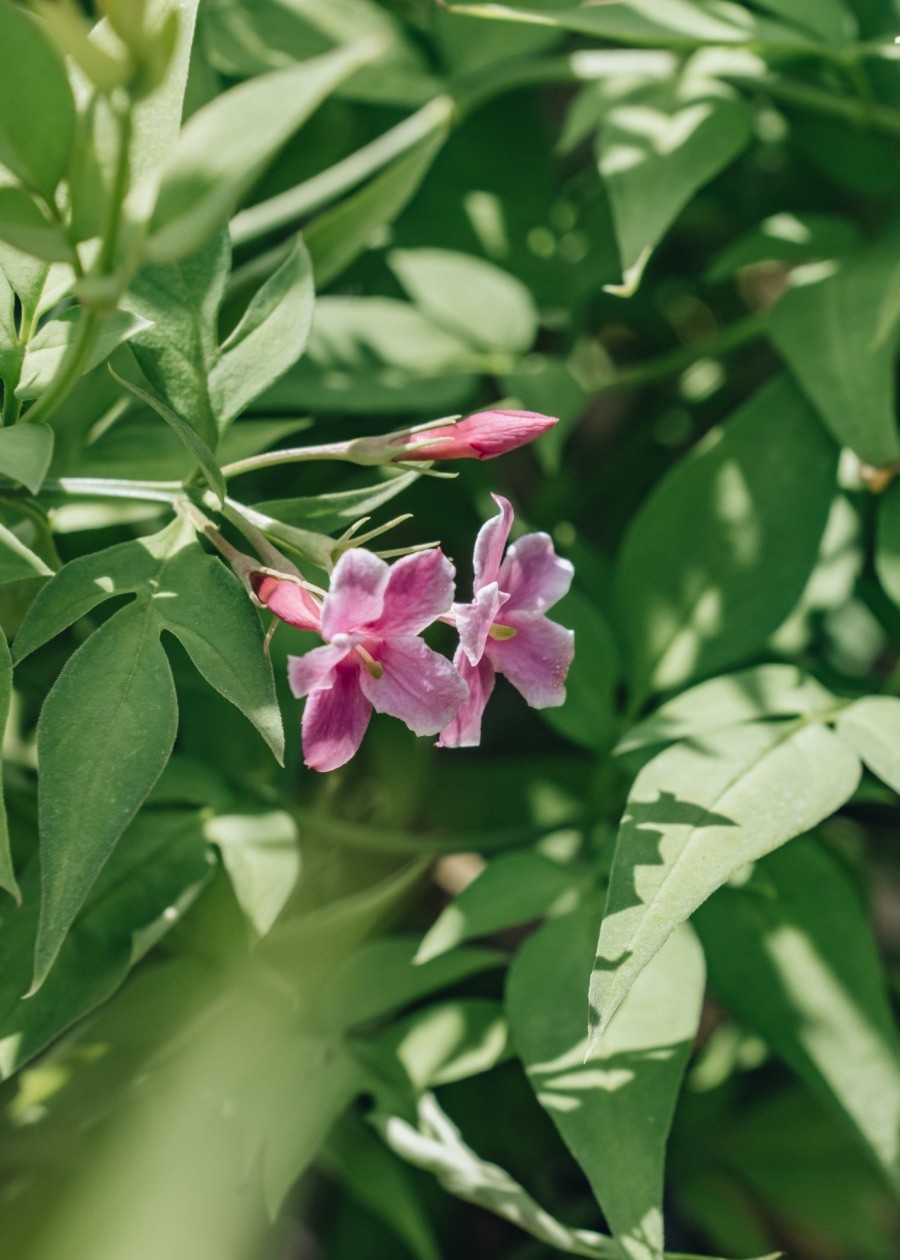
791,954
471,297
826,328
337,237
205,606
614,1108
204,457
672,23
38,284
444,1042
270,338
104,735
37,111
311,194
697,814
17,560
749,696
227,144
177,354
871,727
144,890
721,551
26,226
512,889
48,347
7,872
655,150
25,454
261,854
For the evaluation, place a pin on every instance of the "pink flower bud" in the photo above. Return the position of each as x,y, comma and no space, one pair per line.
484,435
287,600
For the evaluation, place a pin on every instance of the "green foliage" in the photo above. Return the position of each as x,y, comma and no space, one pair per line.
245,246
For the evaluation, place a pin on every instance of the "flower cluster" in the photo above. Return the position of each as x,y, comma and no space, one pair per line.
373,656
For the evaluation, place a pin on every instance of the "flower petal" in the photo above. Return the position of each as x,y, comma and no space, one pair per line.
536,660
315,670
535,576
473,621
417,685
419,589
464,731
356,594
334,721
490,543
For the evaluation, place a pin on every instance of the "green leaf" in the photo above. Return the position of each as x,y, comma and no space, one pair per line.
26,226
311,194
337,237
673,23
37,110
144,890
827,329
695,817
749,696
829,20
445,1042
656,149
887,543
48,347
17,560
719,554
786,237
871,727
204,457
25,454
201,602
589,713
178,352
613,1107
512,889
473,298
340,509
104,735
7,871
791,954
269,339
261,854
381,977
156,119
227,144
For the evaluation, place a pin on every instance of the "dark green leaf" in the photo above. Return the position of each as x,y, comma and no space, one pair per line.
7,873
339,510
105,733
719,554
25,454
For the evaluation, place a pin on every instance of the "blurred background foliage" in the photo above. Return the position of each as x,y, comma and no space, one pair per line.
286,1022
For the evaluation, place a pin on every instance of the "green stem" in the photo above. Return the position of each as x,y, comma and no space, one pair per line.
114,488
106,262
866,114
297,455
72,367
676,361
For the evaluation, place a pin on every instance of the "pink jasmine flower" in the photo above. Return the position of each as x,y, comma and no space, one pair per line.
505,630
373,657
484,435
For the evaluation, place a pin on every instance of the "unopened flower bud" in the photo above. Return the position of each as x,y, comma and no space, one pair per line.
288,600
484,435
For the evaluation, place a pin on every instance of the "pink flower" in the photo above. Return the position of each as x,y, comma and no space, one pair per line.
373,657
481,436
505,630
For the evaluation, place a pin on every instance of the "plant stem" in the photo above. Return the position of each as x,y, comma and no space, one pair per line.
297,455
675,361
114,488
73,365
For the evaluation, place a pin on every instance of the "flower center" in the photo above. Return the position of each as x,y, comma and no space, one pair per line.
372,667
